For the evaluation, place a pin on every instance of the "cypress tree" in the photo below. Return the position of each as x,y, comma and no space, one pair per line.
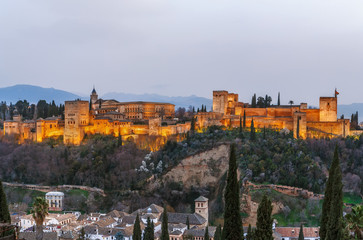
328,197
232,229
301,233
4,210
335,219
152,234
218,233
136,235
264,220
298,128
254,101
119,140
187,223
249,233
149,230
278,100
164,226
206,234
240,125
253,131
192,125
244,119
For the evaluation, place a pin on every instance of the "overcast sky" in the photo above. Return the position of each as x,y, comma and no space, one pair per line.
302,48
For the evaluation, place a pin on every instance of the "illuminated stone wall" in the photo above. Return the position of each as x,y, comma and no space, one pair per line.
328,109
76,118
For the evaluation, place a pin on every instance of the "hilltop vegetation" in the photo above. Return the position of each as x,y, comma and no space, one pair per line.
274,157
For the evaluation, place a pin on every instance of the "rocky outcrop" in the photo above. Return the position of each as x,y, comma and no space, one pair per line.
202,169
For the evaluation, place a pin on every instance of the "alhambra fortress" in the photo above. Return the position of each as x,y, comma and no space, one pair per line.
131,120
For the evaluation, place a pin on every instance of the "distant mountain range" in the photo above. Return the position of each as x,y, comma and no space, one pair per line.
34,93
347,110
178,101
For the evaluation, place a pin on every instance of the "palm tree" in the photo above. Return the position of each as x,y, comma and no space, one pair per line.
355,221
39,211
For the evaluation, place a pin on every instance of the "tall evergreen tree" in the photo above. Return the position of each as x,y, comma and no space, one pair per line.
298,128
187,223
253,131
264,220
119,140
301,233
240,125
249,233
152,234
136,235
164,226
278,100
328,196
254,101
218,233
335,222
4,210
206,234
232,229
149,230
192,125
244,119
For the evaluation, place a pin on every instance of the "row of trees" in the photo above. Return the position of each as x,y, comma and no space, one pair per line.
354,121
263,102
332,227
31,111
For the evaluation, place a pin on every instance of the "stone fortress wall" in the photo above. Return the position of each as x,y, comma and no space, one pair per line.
132,119
108,117
305,122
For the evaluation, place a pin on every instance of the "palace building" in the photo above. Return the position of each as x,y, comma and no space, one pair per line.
133,119
303,121
99,116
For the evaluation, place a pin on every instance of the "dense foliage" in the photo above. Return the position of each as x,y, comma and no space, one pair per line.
274,157
97,163
4,210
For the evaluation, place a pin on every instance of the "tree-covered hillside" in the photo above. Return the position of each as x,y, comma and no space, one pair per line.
100,161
